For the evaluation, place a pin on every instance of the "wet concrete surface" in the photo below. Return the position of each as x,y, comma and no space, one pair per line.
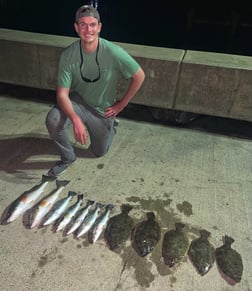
199,174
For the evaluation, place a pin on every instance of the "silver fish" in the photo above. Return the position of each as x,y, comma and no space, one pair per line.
100,224
58,209
79,219
44,206
27,199
89,221
70,213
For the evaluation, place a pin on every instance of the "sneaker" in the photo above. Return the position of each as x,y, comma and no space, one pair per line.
59,168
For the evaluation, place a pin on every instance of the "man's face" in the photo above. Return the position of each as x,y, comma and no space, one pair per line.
88,28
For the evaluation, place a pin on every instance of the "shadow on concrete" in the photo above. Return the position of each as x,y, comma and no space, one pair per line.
24,153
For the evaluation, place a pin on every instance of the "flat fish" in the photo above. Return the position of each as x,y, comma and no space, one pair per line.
201,253
146,235
58,209
119,227
100,224
175,245
229,260
89,221
44,206
80,216
70,213
27,199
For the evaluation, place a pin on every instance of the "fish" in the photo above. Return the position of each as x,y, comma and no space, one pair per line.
44,206
27,200
146,235
100,224
229,261
175,245
119,228
79,218
58,209
70,213
89,221
201,253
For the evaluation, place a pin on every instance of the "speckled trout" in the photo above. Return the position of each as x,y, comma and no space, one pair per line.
28,199
100,224
58,209
89,220
70,213
44,206
80,216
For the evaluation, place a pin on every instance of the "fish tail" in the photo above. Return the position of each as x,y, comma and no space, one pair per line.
179,226
71,193
228,240
204,233
80,197
46,178
100,205
110,206
61,183
90,202
126,208
150,215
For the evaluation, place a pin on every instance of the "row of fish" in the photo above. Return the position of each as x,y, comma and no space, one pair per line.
175,246
117,229
50,210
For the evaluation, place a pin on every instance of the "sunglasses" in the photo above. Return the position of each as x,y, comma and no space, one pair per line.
98,65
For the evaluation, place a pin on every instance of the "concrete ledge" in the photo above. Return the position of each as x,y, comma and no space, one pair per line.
192,81
215,84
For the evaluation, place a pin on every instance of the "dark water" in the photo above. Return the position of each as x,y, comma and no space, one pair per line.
219,27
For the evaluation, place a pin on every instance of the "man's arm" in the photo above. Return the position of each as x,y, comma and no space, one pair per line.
66,106
135,84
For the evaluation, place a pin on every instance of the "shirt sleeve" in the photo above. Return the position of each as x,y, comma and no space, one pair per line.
64,73
127,65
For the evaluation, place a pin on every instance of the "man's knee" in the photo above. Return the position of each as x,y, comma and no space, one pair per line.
52,120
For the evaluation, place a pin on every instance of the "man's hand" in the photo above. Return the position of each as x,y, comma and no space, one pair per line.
80,133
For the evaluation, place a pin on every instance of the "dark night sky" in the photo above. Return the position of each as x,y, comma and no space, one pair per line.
223,28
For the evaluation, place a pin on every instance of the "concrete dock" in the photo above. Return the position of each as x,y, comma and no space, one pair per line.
196,174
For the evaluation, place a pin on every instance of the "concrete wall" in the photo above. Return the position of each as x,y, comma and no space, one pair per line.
193,81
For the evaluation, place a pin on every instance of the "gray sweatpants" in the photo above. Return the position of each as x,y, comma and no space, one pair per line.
101,130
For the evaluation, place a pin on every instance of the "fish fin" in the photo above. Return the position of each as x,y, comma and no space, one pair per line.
61,183
72,193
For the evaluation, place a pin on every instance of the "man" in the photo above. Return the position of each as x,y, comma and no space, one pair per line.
86,91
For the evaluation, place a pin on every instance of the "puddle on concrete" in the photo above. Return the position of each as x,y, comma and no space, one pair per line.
100,166
185,208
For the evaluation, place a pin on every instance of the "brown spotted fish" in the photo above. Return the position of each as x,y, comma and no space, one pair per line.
201,253
119,227
175,245
229,260
146,235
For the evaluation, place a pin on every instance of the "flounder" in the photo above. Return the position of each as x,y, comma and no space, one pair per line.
201,253
146,235
175,245
119,227
229,260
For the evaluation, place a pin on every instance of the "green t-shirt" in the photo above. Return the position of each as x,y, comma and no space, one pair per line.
113,60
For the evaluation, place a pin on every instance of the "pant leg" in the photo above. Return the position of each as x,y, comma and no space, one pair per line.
57,123
101,132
